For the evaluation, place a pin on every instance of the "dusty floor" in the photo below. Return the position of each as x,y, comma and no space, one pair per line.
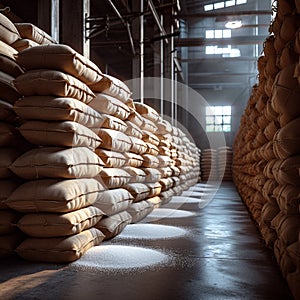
221,256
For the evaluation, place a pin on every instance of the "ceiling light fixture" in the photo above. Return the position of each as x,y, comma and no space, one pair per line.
233,24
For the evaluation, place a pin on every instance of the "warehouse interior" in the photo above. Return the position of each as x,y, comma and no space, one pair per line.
149,149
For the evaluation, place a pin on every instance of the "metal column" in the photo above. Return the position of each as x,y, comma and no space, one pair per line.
142,52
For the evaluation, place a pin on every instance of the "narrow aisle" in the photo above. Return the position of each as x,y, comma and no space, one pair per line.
179,252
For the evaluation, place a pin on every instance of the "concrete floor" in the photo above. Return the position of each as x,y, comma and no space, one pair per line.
222,257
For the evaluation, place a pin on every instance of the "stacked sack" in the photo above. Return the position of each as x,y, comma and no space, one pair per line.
209,165
113,102
144,186
61,170
266,150
31,36
169,172
224,163
11,142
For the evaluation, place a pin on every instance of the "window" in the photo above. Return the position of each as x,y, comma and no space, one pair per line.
218,34
218,5
224,51
218,118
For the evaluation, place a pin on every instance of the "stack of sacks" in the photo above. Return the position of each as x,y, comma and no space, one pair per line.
266,149
142,162
164,147
194,165
112,101
152,160
175,148
209,164
31,36
11,142
60,172
224,156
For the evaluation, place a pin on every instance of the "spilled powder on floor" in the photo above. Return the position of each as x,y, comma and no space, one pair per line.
151,232
160,213
119,257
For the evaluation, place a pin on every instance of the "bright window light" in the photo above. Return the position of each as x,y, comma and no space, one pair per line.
230,3
218,118
238,2
210,50
226,33
208,7
209,34
219,5
218,34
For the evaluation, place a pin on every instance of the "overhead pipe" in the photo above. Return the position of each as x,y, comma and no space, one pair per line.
157,20
126,25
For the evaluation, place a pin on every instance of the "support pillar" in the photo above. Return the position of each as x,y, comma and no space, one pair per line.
74,33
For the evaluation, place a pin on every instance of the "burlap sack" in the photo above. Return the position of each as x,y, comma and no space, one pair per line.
150,161
135,118
7,158
51,108
114,201
111,159
109,105
55,195
151,149
7,113
133,160
61,58
9,66
9,33
112,226
166,184
152,174
287,171
138,146
133,130
8,221
32,32
114,140
64,134
111,122
113,87
137,174
140,210
23,44
164,127
114,178
44,225
7,187
149,126
9,242
146,111
51,82
60,249
139,191
287,140
7,50
55,162
165,172
8,91
154,189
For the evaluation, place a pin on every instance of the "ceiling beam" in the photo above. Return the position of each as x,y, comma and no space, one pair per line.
238,40
225,14
221,74
218,59
218,85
